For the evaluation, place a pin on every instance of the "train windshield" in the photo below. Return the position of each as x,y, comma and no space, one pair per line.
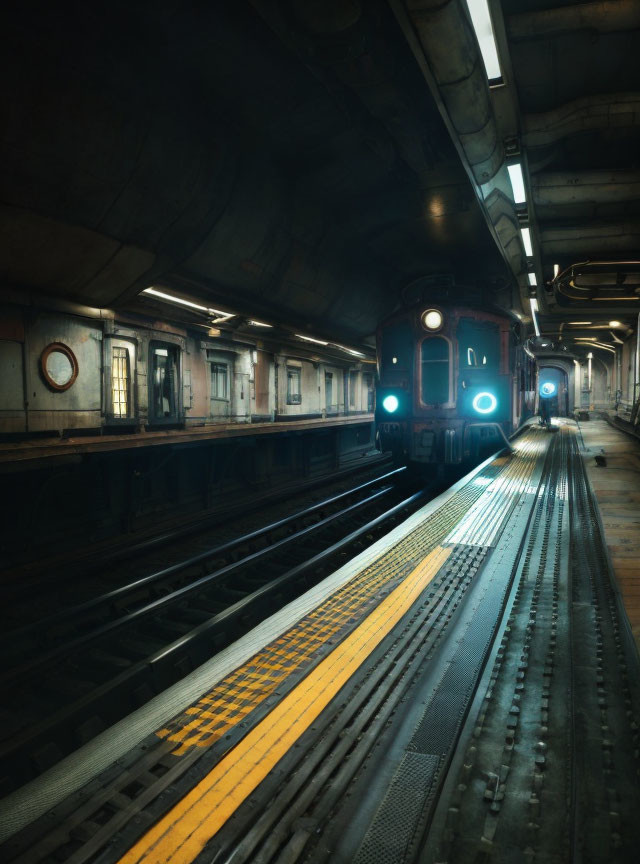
435,370
479,344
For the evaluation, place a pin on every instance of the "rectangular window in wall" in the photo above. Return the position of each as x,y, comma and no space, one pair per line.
368,380
219,381
294,391
328,389
163,402
120,378
353,384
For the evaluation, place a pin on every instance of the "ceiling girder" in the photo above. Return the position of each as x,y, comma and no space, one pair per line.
604,17
604,111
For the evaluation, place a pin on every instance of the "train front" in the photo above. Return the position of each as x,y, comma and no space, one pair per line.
447,385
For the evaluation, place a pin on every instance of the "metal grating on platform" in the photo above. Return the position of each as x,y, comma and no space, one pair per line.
392,830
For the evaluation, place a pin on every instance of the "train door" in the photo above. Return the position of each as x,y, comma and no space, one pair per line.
553,387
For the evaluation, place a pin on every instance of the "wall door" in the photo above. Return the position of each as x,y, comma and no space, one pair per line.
261,374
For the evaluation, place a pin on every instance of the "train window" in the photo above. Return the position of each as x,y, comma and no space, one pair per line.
163,402
435,370
294,391
479,343
397,347
120,380
220,381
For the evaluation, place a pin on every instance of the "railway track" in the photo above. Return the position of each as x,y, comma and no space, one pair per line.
78,670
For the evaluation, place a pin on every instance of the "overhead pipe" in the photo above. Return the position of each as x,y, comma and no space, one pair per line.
605,111
597,187
604,17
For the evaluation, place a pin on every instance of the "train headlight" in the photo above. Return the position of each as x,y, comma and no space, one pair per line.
484,403
390,403
432,319
547,389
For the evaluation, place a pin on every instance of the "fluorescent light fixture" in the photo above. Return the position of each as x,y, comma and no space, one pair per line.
481,20
351,351
311,339
517,183
579,322
534,309
556,270
259,323
526,239
182,302
532,279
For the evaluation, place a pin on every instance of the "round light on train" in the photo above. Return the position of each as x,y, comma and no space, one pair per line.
432,319
484,403
390,403
548,388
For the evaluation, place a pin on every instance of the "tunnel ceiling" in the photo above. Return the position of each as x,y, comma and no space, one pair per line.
289,165
303,162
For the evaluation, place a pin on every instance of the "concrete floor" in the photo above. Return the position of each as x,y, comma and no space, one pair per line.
617,488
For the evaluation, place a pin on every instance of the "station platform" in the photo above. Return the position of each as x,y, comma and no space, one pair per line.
466,689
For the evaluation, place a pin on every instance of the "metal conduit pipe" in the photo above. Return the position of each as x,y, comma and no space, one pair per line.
451,50
597,187
603,17
606,111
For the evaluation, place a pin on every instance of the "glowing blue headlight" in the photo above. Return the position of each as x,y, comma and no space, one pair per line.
548,388
390,403
484,403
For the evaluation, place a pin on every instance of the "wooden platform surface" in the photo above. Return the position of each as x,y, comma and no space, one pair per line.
617,488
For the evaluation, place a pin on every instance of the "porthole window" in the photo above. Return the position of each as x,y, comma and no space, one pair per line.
59,366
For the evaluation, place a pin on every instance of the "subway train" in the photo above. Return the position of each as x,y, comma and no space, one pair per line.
453,383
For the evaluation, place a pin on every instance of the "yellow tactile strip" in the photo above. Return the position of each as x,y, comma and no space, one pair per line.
183,832
241,691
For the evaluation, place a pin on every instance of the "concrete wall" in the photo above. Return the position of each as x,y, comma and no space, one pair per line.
28,403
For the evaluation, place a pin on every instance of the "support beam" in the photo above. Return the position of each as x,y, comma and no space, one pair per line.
589,240
605,17
606,111
596,187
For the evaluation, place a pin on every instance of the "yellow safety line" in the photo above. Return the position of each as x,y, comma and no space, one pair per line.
184,831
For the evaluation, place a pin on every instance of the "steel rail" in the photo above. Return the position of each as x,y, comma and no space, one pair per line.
123,590
208,628
162,603
194,526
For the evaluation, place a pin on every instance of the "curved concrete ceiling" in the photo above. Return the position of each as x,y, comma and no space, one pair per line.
292,166
304,162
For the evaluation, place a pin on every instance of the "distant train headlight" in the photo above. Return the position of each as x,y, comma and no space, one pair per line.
484,403
547,389
390,403
432,319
